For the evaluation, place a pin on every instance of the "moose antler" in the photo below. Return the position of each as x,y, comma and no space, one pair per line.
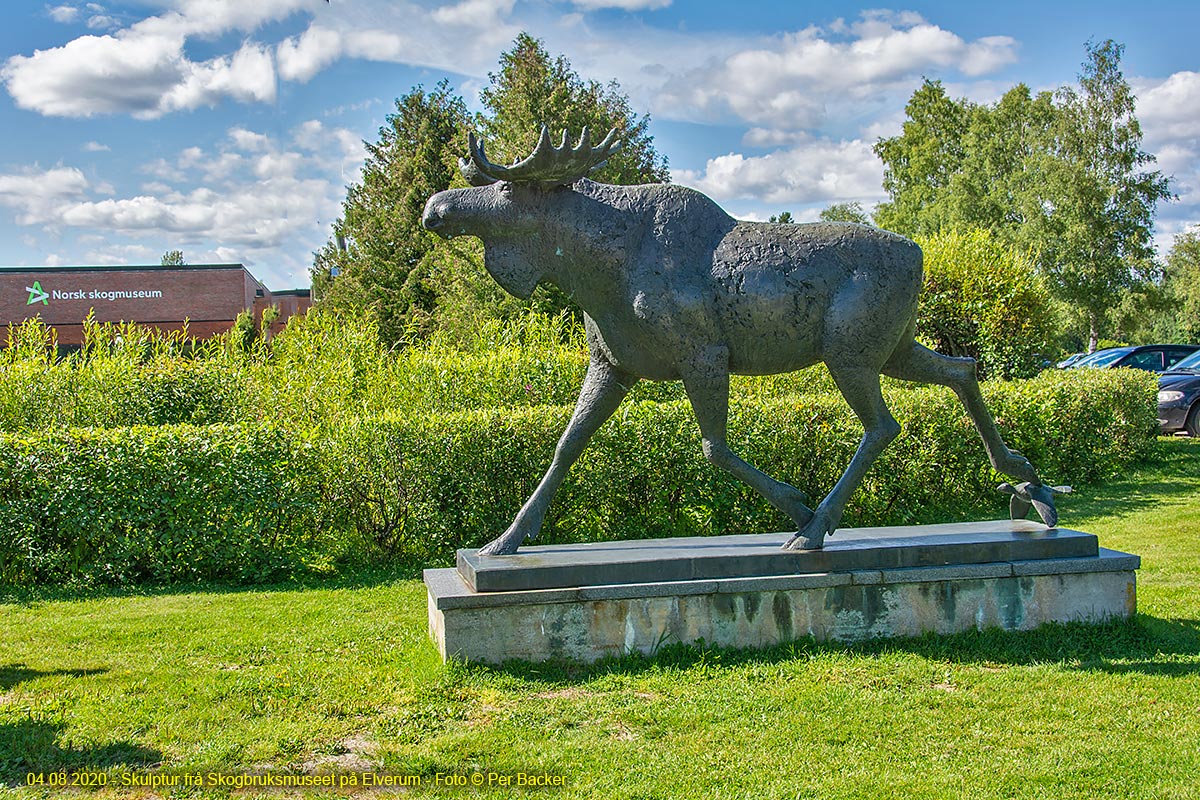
547,164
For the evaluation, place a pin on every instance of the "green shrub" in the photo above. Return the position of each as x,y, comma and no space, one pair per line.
145,457
427,485
174,503
124,375
157,504
320,372
984,299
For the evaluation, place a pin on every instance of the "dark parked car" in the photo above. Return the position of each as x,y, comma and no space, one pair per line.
1150,357
1070,360
1179,397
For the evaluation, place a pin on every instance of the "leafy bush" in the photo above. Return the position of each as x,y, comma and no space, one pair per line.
320,372
457,480
323,447
124,375
984,299
157,504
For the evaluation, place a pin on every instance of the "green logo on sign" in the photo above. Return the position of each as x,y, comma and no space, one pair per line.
36,295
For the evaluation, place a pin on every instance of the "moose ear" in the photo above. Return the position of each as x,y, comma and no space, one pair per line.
473,174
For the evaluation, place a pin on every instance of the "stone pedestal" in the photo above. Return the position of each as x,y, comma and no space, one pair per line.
589,601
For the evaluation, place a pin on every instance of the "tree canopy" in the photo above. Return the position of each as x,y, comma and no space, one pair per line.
845,212
1061,175
982,298
379,255
533,88
1181,285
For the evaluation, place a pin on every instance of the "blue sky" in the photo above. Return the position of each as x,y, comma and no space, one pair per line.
229,128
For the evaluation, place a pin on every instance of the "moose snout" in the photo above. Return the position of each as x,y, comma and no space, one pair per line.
434,218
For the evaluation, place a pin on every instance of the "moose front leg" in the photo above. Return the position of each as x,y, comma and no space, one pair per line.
603,390
706,379
860,387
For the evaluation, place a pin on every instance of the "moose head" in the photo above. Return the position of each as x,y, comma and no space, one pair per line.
509,208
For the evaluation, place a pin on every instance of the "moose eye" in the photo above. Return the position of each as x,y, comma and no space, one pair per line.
505,188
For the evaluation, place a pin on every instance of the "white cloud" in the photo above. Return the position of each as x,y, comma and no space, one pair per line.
474,13
249,140
120,254
247,76
315,137
96,147
190,157
1170,109
250,197
163,170
144,69
769,137
819,170
301,57
95,75
277,165
147,77
101,22
1169,112
309,135
64,13
224,166
36,194
787,82
627,5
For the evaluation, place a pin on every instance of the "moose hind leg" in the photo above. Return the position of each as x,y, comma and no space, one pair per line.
706,381
603,389
919,364
860,387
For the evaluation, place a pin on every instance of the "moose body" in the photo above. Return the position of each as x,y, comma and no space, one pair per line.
673,288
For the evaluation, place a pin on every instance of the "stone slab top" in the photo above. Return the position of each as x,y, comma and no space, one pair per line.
448,591
700,558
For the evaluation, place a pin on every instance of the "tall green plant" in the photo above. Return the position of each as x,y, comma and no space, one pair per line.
533,88
1097,195
984,299
379,255
1062,175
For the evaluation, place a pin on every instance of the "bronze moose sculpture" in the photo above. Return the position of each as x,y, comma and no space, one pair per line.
673,288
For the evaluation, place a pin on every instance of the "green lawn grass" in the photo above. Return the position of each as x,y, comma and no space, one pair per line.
341,677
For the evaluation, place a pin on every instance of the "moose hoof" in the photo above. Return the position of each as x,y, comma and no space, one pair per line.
499,547
1019,467
505,545
798,542
811,536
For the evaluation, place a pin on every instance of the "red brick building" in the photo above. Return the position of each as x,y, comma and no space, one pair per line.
208,296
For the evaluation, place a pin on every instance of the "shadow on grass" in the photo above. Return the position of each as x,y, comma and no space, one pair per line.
1142,644
363,578
12,674
31,746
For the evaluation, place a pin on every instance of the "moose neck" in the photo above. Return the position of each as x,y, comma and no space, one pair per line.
579,246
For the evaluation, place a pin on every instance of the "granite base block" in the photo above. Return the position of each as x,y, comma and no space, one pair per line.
593,622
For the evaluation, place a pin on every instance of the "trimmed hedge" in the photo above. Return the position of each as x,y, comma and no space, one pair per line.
156,504
182,502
